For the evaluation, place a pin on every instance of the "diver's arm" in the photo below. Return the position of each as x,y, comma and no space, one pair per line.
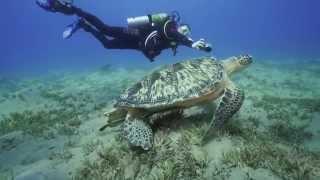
151,54
181,39
187,41
150,58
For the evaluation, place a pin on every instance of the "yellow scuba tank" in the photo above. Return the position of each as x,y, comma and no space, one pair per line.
148,20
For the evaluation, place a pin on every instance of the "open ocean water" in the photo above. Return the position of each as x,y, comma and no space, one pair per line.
54,93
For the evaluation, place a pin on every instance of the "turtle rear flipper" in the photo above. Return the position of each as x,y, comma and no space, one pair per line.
115,117
138,133
229,104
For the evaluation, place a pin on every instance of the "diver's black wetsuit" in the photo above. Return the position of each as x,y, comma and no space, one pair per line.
130,38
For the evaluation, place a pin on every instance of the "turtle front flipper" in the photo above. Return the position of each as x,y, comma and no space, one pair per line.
229,104
137,132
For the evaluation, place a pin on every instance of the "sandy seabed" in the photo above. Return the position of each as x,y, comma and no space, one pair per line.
49,129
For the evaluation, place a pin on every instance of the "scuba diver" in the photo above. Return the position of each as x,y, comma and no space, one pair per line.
149,34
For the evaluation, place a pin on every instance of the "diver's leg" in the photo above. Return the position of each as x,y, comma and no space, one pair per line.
107,43
69,9
112,31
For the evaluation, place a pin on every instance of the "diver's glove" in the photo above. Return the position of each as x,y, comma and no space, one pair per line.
202,45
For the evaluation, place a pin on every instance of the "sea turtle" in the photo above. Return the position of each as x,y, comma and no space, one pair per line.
173,88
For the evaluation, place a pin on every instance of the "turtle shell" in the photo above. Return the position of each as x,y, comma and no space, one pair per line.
174,83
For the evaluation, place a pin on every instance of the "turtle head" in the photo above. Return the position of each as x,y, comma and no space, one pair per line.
236,64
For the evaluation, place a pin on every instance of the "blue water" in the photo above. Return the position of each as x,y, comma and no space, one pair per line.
48,125
268,29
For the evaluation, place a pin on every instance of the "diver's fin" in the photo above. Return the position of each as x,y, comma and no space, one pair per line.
71,29
62,6
47,5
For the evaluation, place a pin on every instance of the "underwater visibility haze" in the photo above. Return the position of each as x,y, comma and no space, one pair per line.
267,29
72,109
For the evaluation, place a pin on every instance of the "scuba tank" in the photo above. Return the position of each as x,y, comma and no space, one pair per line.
161,21
148,20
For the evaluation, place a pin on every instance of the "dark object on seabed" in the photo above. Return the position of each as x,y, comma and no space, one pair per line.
105,68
